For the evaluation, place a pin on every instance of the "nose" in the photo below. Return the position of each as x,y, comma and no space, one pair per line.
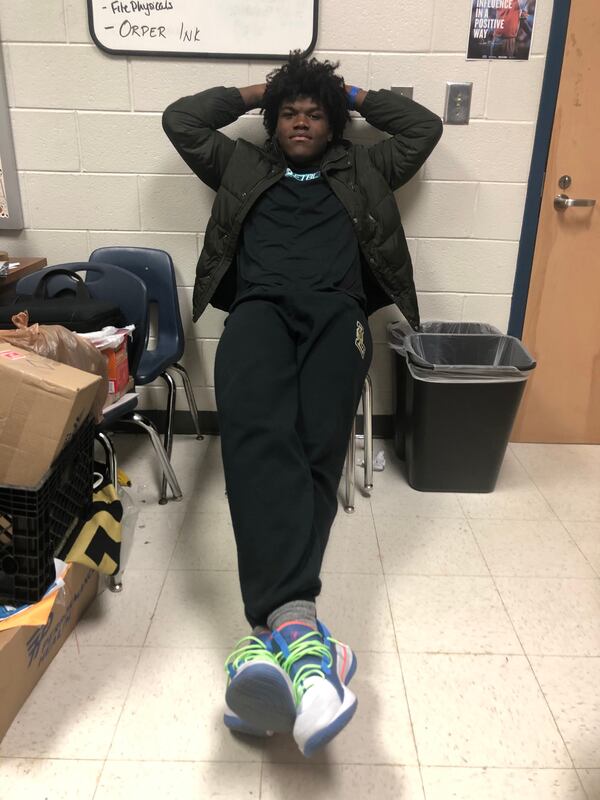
301,121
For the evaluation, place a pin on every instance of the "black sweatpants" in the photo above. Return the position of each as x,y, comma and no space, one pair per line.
288,378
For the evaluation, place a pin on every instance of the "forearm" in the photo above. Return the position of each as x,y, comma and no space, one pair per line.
359,97
414,133
253,95
192,124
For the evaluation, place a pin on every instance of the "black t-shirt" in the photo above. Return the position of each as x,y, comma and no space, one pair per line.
298,236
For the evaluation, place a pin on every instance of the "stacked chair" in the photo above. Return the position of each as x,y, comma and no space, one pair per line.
107,282
155,269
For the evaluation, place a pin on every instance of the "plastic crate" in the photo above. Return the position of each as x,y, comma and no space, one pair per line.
33,522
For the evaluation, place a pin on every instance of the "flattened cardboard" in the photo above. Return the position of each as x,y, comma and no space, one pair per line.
27,651
42,403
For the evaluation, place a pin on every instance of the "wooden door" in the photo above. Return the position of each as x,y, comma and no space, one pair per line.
562,321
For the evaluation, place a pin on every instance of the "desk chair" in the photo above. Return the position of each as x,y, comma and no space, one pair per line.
155,268
107,282
367,405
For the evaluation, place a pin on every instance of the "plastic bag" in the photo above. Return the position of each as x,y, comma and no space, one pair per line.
398,332
109,338
62,345
131,511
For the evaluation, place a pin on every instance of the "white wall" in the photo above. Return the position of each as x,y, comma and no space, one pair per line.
96,169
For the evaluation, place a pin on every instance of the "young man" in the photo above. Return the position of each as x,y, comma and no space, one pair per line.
303,243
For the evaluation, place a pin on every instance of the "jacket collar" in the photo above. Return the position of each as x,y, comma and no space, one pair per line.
335,157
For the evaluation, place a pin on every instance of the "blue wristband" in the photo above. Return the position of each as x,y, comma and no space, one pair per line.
352,96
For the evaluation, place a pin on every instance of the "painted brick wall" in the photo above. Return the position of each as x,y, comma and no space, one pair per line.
96,169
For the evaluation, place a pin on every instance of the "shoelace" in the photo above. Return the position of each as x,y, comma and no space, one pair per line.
306,645
250,648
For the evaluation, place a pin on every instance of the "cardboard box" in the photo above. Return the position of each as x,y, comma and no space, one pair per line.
42,403
27,651
117,364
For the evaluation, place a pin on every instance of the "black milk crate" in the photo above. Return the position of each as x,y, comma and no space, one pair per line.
33,522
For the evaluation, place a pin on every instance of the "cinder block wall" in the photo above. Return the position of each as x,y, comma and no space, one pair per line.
96,169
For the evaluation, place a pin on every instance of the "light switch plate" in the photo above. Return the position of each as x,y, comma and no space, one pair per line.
457,109
407,91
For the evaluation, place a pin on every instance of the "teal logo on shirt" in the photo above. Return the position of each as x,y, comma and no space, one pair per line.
303,176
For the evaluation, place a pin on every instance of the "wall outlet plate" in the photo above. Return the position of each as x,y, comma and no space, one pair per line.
407,91
457,108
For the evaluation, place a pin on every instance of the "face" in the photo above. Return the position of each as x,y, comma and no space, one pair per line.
303,130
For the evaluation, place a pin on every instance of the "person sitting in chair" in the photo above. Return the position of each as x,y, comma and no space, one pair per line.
304,242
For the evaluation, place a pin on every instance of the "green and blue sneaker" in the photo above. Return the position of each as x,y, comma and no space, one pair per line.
320,669
259,696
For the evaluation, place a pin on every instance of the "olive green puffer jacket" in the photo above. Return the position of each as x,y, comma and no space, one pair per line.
363,178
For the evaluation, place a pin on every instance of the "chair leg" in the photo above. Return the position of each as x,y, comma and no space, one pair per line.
168,437
350,471
191,398
367,404
143,422
110,456
115,582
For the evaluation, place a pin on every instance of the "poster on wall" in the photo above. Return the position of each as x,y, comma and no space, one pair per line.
3,201
501,29
11,213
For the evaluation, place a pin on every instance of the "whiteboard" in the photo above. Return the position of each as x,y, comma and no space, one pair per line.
209,28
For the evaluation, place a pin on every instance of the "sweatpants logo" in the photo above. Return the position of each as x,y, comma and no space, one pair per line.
360,339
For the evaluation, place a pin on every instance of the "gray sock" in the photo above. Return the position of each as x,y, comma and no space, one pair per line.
259,629
302,611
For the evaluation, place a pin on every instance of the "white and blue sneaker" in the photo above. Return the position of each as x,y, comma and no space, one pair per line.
259,696
320,668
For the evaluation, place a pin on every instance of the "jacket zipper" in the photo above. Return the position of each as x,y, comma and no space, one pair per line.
354,221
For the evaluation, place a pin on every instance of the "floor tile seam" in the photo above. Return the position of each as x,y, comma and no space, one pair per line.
591,578
498,767
392,516
504,767
155,606
221,761
492,578
309,764
125,699
535,677
540,491
576,543
561,523
475,654
178,536
406,700
54,758
203,761
401,516
99,779
378,543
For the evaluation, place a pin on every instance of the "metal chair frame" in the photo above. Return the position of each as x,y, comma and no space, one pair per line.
367,404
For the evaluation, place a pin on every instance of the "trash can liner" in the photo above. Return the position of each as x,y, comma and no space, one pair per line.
398,332
487,356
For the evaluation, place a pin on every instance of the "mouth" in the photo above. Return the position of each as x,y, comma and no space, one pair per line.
300,137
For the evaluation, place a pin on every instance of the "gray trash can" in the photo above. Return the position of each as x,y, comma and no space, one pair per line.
397,333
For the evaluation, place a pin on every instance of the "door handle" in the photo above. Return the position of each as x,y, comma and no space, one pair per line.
562,202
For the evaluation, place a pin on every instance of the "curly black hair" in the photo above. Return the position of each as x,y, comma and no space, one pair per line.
303,77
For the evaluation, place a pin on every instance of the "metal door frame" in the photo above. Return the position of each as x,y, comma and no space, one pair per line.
539,159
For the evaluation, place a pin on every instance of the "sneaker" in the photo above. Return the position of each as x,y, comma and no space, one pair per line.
320,668
259,696
237,725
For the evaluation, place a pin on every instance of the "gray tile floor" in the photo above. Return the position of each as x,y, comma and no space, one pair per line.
476,619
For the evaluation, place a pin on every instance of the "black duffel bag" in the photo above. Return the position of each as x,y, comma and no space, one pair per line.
72,307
